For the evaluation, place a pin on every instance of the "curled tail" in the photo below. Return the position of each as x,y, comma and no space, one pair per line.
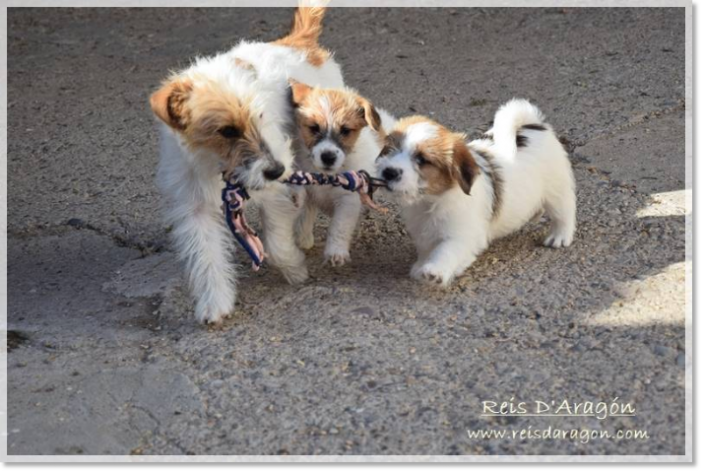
305,31
509,119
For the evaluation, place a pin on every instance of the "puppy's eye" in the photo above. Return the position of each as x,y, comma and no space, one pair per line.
385,151
420,159
344,131
314,129
229,132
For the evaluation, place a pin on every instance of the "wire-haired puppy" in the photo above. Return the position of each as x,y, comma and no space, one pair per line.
459,196
231,112
339,131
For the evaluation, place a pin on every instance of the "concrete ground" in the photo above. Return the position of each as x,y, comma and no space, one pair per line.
105,356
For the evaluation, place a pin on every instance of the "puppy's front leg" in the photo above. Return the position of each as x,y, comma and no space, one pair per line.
279,214
200,237
305,227
341,230
447,260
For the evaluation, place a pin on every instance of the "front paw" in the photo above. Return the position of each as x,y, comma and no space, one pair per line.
432,274
295,274
559,239
337,257
211,315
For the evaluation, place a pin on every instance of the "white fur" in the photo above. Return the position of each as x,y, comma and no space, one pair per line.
452,229
419,132
191,183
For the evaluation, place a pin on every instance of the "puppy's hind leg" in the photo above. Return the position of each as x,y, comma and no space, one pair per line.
560,205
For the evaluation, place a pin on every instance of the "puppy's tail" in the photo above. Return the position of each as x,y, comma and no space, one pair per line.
509,119
307,26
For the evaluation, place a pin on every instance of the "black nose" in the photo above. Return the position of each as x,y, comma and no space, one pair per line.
274,172
328,158
392,174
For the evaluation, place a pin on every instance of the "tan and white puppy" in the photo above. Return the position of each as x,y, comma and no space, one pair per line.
231,112
339,131
457,197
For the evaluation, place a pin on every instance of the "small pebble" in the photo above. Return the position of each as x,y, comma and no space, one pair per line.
76,223
681,360
667,352
218,383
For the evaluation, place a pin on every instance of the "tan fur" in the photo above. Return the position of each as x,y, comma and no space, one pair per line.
168,103
299,91
373,119
305,33
449,160
200,112
315,106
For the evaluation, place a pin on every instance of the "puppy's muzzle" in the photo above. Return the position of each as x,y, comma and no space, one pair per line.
392,174
328,158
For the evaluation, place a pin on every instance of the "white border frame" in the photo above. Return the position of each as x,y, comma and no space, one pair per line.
688,457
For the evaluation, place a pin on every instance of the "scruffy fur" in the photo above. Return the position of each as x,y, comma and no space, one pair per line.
231,112
457,197
339,131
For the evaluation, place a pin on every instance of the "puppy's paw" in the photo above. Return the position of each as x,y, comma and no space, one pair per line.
337,257
305,241
559,239
433,274
295,275
211,316
416,270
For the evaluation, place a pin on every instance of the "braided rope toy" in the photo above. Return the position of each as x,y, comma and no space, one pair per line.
234,196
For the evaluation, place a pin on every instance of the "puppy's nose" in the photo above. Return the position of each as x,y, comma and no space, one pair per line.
274,172
392,174
328,158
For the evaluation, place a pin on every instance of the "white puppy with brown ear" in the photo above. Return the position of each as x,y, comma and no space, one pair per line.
231,112
339,131
460,196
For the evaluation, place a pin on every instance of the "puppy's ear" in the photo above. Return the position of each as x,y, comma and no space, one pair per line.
368,111
239,62
466,167
298,92
169,103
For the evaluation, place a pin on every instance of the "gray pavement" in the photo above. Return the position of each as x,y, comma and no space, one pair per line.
105,355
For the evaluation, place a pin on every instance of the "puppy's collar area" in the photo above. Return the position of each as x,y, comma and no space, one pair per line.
234,196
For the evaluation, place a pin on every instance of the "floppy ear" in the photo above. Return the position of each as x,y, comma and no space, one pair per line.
168,103
368,111
465,164
298,92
